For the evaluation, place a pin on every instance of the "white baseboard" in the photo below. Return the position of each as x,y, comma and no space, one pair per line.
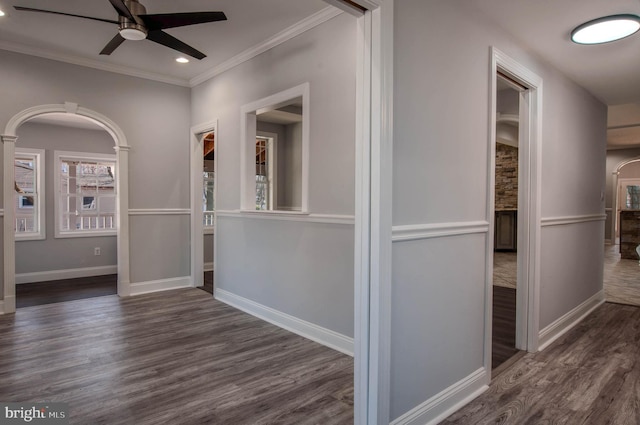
208,267
8,305
140,288
565,323
446,402
65,274
301,327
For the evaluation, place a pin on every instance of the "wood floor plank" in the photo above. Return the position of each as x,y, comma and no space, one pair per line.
177,357
589,376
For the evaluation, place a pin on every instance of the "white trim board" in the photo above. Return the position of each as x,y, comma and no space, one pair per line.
139,288
311,331
50,275
160,211
289,216
293,31
568,321
1,307
573,219
208,266
446,402
437,230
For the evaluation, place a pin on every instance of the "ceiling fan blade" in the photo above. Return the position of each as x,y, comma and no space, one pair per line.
122,9
29,9
172,20
170,41
112,45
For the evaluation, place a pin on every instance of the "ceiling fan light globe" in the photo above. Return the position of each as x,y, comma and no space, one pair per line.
605,30
133,34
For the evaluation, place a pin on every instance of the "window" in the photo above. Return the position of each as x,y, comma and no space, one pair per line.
85,194
265,165
29,190
275,152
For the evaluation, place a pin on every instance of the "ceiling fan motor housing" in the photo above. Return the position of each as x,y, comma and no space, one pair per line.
136,9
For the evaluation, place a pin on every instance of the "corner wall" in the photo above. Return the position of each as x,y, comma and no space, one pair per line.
440,178
300,268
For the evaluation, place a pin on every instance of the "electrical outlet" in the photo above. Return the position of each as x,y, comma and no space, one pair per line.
96,251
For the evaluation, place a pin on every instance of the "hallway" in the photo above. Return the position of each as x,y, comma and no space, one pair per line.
621,278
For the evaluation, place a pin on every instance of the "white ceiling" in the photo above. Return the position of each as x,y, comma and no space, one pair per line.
249,23
611,72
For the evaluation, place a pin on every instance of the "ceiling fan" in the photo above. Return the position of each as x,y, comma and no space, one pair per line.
135,24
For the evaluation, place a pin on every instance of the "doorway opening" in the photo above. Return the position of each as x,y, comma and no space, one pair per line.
505,252
65,211
70,112
513,291
204,164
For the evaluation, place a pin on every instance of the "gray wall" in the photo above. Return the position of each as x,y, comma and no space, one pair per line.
155,119
300,268
62,253
441,151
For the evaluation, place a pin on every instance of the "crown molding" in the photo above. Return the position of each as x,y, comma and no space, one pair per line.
306,24
302,26
91,63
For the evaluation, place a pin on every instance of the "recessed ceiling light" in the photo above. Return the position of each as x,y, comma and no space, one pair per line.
182,60
604,30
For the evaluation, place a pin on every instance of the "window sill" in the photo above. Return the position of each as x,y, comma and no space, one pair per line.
86,234
29,237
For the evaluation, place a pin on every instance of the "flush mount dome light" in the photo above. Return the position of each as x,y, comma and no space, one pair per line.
604,30
133,34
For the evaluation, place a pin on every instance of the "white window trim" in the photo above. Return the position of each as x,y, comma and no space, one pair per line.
248,133
83,156
39,158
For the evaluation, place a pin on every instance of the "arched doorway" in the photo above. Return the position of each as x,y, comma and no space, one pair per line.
619,183
9,138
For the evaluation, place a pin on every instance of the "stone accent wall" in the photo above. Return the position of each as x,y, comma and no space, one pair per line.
506,177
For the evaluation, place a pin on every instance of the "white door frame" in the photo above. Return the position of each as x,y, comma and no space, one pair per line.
529,195
373,207
122,193
197,228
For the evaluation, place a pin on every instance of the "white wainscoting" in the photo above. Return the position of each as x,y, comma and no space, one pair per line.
316,333
573,219
568,321
290,216
437,230
446,402
49,275
139,288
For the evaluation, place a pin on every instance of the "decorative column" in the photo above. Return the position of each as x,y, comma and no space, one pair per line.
9,253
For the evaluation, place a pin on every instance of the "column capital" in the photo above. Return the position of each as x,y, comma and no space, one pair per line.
8,139
122,148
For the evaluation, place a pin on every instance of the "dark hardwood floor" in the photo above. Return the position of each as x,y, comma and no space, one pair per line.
589,376
208,282
504,325
175,357
30,294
